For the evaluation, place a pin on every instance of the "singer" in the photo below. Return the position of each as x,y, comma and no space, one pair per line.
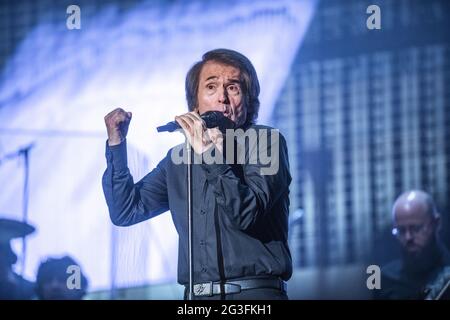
240,214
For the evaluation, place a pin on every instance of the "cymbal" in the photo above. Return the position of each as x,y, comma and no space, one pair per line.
10,229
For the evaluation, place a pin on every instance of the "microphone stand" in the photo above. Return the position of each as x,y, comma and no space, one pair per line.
25,151
212,119
190,220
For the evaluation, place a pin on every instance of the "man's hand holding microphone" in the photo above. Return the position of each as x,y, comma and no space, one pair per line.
198,135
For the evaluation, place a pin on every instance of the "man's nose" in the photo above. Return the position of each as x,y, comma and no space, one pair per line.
223,97
408,235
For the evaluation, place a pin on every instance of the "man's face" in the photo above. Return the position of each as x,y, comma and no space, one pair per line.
219,89
415,227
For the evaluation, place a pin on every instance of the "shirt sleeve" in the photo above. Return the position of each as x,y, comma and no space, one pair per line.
248,198
128,202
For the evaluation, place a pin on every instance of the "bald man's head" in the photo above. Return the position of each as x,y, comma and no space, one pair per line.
415,220
415,200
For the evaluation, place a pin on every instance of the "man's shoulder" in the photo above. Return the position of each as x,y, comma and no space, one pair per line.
265,129
175,151
173,156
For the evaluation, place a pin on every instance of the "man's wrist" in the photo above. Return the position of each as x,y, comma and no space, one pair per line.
118,155
114,141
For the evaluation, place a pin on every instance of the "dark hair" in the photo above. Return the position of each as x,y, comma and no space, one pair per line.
249,80
54,268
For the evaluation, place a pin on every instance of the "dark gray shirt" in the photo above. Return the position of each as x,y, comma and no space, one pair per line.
240,216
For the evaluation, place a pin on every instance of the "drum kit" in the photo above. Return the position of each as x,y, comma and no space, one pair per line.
11,229
12,286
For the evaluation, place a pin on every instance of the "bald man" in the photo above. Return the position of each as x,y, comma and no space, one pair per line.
415,221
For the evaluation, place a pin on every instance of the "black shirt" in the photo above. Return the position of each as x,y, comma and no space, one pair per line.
251,208
400,282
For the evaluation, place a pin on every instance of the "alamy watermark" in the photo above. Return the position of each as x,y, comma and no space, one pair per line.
255,147
74,280
374,20
374,279
73,21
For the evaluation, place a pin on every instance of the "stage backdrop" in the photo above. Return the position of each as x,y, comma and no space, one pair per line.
58,86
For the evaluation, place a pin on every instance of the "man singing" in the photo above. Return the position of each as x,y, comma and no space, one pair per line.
240,212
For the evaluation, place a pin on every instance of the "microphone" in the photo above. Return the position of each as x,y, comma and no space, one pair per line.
27,148
22,151
212,119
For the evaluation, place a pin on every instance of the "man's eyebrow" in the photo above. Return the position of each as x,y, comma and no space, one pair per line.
229,81
234,81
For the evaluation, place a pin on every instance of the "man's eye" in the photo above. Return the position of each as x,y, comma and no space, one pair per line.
210,86
401,229
233,88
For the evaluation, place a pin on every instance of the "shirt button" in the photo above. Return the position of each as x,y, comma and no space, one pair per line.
202,242
203,212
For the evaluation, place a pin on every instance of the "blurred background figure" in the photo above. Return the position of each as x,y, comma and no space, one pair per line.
53,280
423,255
12,285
